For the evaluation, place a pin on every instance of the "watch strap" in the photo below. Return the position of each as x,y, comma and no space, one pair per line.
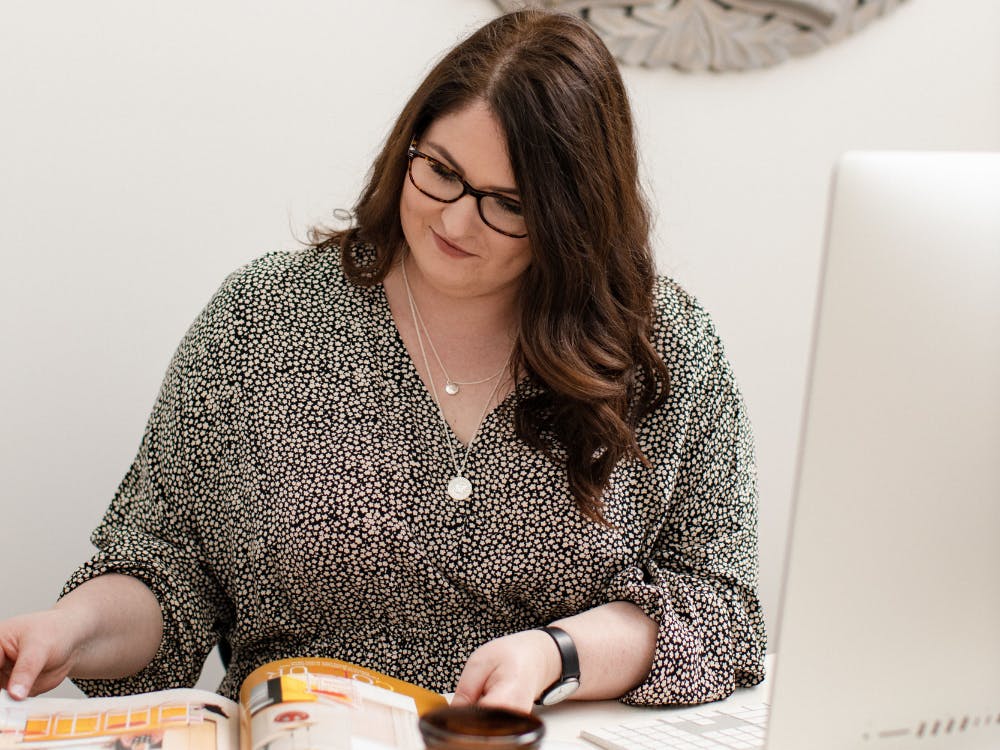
570,675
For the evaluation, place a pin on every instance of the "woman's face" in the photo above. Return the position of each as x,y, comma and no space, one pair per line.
452,249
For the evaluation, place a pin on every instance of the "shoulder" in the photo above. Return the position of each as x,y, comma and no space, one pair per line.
703,396
682,331
275,293
292,282
287,272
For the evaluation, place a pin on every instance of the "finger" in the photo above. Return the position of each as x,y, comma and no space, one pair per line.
472,682
25,671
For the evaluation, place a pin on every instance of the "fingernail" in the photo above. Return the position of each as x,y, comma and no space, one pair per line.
17,691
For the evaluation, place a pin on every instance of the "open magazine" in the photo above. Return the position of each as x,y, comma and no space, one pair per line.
292,704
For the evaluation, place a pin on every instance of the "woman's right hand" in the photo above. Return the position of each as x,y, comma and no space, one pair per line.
108,627
37,651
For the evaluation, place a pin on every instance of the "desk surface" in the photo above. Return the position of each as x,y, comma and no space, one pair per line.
563,722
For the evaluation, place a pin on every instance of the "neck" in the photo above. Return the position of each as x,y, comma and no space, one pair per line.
461,348
490,319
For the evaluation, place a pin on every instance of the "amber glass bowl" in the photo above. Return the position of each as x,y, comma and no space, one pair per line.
477,728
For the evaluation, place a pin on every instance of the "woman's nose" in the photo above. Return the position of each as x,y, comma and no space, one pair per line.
461,218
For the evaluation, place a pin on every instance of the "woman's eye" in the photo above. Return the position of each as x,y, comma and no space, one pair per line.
443,172
510,207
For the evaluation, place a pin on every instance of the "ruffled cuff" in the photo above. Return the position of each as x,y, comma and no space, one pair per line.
710,639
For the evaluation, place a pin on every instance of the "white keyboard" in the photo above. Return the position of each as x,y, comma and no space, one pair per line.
730,728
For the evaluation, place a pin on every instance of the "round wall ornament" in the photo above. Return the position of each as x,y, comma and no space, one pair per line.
717,35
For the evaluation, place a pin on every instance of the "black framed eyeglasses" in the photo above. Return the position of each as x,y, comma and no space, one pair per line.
442,183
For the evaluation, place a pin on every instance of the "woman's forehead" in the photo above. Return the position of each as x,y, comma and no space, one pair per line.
471,140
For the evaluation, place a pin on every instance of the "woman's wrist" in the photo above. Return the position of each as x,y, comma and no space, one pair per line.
78,623
568,681
550,660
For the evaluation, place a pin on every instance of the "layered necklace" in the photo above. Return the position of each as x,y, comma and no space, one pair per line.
459,486
451,386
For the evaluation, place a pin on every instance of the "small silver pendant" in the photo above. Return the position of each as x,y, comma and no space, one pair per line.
451,388
459,488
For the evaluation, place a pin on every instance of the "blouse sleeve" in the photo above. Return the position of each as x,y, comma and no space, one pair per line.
700,582
154,528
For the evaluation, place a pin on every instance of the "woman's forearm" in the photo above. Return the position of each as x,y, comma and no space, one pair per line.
115,622
615,642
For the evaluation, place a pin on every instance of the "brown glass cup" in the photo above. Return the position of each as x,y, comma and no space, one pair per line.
478,728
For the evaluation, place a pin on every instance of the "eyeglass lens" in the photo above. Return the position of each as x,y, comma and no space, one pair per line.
444,184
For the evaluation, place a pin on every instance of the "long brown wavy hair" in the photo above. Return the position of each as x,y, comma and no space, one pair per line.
586,298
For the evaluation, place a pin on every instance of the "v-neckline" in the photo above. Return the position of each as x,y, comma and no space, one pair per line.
410,372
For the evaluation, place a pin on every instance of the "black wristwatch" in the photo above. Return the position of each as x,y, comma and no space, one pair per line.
569,680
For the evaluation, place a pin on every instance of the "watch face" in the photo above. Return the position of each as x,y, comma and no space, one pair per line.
560,691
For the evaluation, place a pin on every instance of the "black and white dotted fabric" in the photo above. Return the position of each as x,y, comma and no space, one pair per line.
289,495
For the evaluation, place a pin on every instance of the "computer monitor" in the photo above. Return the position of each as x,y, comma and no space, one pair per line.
890,625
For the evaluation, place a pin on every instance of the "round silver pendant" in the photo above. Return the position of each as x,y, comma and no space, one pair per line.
459,488
451,388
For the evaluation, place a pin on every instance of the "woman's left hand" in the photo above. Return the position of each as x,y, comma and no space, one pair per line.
509,672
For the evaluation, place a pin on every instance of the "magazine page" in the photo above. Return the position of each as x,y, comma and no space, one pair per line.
303,704
180,719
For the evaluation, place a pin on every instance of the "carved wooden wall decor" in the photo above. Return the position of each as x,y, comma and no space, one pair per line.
717,35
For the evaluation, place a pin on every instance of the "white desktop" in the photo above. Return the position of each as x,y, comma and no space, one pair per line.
890,621
566,721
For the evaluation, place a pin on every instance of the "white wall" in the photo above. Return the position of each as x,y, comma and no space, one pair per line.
147,149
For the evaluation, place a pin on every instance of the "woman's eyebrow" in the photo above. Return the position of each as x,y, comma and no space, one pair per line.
454,165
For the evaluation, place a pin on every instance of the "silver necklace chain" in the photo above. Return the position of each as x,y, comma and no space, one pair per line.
451,386
459,486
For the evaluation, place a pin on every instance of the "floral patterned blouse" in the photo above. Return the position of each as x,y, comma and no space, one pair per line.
289,496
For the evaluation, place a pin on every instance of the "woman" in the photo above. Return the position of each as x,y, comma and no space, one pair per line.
474,413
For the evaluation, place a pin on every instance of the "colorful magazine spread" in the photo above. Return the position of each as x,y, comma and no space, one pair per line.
292,704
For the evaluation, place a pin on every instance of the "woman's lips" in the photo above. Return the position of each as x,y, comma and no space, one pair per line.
449,249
